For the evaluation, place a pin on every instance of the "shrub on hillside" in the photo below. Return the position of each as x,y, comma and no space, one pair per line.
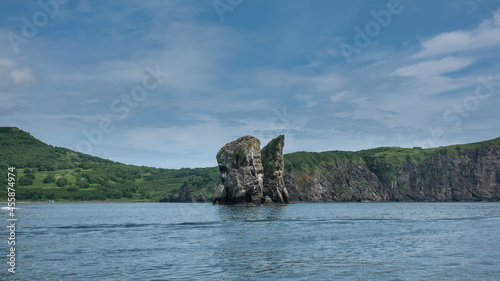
61,182
49,179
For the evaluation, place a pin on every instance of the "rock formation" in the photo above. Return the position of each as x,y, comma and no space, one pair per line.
249,175
241,173
273,163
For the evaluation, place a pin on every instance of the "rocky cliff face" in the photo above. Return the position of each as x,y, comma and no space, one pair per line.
273,163
337,182
472,175
241,173
249,175
456,174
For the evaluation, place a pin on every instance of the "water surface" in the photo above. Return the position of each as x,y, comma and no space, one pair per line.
320,241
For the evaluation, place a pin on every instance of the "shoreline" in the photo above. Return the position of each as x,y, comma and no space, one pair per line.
56,202
262,205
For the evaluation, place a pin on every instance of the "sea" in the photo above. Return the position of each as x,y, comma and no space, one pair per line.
304,241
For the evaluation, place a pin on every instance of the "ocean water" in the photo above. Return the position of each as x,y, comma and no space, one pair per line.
319,241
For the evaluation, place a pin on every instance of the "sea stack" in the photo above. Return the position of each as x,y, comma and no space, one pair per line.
241,174
273,163
244,180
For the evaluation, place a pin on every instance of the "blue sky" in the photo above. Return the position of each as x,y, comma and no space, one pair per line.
167,83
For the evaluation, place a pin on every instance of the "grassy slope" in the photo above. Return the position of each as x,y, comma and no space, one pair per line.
88,178
92,178
382,161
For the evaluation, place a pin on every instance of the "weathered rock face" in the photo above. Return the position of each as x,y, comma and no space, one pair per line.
241,173
249,175
335,182
273,163
471,175
468,175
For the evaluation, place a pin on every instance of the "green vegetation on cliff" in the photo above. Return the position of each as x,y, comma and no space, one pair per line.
45,172
382,161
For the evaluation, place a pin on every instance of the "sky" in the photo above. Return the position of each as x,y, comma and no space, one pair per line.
168,83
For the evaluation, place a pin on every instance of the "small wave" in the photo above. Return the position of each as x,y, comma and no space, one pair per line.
466,218
93,226
8,208
192,225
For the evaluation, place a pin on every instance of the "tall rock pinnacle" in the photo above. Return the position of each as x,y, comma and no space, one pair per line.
241,172
243,177
273,163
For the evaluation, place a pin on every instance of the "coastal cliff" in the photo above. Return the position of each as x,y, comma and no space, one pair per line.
469,175
455,173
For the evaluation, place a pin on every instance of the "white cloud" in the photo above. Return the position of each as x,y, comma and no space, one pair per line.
7,63
327,82
433,67
487,34
308,99
433,85
89,101
382,88
338,97
23,75
182,146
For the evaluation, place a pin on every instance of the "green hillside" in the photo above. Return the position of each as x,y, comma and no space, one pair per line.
45,172
382,161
